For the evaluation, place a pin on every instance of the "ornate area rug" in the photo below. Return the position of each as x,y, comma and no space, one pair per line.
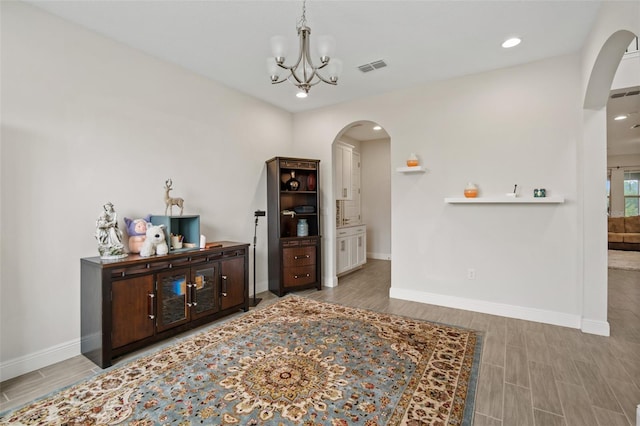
296,362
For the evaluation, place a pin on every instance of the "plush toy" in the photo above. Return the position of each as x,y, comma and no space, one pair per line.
154,242
137,229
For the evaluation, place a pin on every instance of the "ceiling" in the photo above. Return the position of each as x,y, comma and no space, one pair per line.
420,41
623,137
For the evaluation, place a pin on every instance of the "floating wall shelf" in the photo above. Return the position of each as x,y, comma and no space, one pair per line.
414,169
504,200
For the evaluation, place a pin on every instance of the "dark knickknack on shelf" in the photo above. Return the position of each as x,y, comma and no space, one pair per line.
294,224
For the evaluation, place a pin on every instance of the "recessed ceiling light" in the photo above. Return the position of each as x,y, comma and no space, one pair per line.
511,42
376,128
620,117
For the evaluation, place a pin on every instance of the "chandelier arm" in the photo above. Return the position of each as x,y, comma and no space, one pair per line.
306,57
335,83
293,68
285,67
279,81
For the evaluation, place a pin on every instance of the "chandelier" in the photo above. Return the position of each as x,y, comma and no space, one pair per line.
303,73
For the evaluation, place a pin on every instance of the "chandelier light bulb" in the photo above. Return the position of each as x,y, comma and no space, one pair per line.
273,69
334,69
301,94
326,47
279,48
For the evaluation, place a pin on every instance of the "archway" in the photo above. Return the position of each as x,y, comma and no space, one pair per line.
364,146
593,183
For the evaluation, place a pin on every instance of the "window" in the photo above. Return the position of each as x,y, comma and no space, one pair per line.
632,193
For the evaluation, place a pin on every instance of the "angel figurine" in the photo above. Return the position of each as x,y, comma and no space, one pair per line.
108,234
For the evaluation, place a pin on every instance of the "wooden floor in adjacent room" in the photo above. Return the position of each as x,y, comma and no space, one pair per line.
531,373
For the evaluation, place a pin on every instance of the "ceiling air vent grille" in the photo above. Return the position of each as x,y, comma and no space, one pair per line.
372,66
623,94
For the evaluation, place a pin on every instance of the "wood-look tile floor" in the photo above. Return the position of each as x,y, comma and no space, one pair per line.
530,374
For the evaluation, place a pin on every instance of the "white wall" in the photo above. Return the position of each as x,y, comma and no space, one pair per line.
628,72
517,125
613,30
376,196
86,120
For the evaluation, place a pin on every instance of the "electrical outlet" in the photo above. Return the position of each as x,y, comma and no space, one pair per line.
471,274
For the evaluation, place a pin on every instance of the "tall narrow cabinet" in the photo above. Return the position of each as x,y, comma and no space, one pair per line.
293,194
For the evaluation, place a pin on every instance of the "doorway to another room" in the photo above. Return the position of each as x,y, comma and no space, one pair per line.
362,196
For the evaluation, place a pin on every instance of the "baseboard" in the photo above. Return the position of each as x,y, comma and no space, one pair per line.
500,309
331,281
379,256
31,362
600,328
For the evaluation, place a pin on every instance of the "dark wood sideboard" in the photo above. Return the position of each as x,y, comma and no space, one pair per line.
129,303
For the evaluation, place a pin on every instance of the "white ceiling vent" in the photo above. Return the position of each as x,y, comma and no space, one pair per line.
372,66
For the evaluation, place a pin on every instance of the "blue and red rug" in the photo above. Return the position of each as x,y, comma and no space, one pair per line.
296,362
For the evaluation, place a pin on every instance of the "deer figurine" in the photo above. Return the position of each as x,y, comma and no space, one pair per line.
170,202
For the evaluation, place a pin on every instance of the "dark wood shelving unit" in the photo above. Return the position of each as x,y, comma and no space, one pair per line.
294,261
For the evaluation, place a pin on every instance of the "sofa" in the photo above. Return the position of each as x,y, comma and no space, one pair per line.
624,233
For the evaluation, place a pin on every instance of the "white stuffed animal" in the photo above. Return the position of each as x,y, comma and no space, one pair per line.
155,242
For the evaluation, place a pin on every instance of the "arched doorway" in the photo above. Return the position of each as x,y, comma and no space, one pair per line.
593,183
362,189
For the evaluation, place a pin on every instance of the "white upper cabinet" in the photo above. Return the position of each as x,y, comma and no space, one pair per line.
343,157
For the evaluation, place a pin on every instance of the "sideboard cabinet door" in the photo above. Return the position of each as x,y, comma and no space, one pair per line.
232,290
132,310
172,298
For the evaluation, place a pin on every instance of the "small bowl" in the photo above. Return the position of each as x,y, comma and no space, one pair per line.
511,194
189,245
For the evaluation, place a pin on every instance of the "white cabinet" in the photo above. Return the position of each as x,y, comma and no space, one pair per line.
351,208
351,248
343,157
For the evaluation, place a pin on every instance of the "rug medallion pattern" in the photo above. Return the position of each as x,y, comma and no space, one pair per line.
298,362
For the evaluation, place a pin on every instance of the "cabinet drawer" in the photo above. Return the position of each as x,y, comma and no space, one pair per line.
299,256
351,230
293,277
298,164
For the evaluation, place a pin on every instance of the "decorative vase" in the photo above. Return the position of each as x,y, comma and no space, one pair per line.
471,191
302,228
311,182
293,184
412,161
